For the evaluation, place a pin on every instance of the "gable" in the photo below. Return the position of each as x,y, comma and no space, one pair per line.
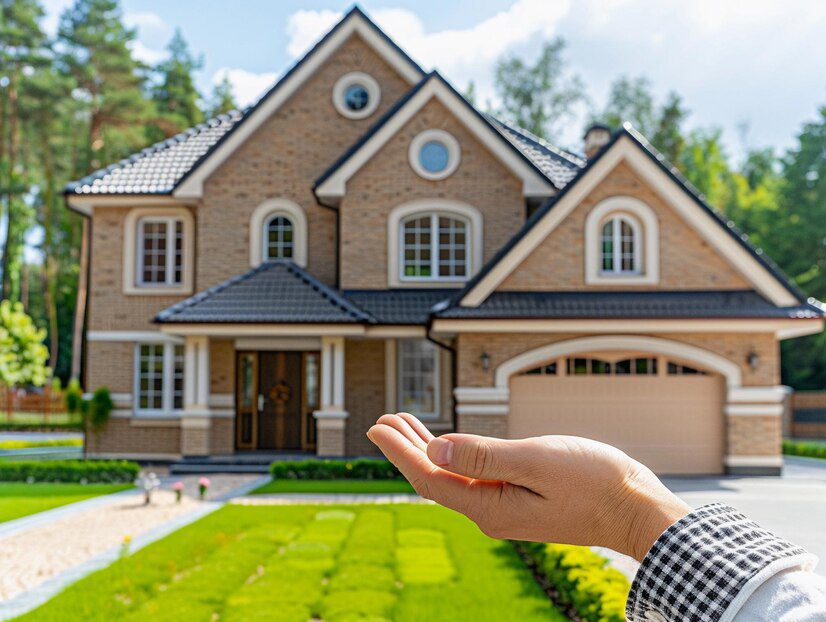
355,22
686,260
627,146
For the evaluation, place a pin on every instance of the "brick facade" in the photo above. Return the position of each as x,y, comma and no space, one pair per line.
364,397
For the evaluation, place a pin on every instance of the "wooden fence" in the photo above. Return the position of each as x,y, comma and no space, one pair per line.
809,414
45,403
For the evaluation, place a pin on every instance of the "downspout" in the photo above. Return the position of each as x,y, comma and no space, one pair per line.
454,373
335,209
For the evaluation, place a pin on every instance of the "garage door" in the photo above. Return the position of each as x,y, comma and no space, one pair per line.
668,416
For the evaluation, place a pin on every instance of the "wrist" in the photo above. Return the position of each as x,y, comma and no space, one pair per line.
656,514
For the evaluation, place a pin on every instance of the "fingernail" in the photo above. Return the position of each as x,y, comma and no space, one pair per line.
368,435
442,450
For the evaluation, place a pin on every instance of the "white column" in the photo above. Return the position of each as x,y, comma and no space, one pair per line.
338,373
196,374
331,418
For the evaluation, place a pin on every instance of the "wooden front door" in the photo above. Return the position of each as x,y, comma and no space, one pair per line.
276,394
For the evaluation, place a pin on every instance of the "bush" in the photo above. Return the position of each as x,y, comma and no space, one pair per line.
334,469
70,471
583,579
99,409
73,397
806,449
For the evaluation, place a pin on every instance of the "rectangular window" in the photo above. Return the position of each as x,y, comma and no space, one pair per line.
160,251
418,374
159,378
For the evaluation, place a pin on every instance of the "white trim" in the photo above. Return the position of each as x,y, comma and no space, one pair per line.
167,408
647,242
754,410
148,336
221,400
673,193
268,210
86,203
475,238
753,395
776,327
454,153
131,249
811,327
753,461
264,330
391,400
731,371
278,343
192,186
135,456
381,332
533,182
481,394
482,409
330,414
362,79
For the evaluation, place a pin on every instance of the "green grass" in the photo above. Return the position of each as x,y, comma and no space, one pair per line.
335,486
402,563
30,444
18,499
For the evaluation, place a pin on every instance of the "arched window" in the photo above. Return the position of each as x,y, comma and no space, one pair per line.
620,246
278,238
434,246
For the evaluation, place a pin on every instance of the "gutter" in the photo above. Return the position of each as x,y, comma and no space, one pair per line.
337,212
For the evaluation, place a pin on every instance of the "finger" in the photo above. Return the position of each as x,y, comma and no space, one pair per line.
418,426
427,479
482,457
395,421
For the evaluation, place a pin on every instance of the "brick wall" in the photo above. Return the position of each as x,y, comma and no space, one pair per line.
109,364
222,366
222,436
687,261
485,425
364,377
121,436
808,414
387,181
753,435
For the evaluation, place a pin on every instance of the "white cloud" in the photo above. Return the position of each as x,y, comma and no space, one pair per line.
147,22
153,35
247,86
146,54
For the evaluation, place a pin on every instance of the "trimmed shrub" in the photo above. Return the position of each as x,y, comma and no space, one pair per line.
334,469
70,471
583,580
805,449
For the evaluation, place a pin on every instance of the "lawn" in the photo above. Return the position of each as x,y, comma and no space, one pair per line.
380,486
20,499
405,563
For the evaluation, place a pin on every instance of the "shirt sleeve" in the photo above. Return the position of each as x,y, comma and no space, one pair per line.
792,595
706,566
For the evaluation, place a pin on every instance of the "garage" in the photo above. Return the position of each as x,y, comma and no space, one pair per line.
664,412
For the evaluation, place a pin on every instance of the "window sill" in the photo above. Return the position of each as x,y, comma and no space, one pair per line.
429,283
622,278
132,290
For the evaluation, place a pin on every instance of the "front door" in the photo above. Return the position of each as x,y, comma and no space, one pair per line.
277,393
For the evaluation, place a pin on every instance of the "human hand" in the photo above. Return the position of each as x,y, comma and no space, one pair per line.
562,489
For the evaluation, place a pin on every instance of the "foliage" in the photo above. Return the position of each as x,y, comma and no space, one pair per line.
176,97
295,563
807,449
540,98
22,353
99,408
583,579
222,100
73,397
19,499
364,469
70,471
339,486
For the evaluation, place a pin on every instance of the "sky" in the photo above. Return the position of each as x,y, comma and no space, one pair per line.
755,68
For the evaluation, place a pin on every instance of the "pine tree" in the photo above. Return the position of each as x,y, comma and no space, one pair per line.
175,96
222,100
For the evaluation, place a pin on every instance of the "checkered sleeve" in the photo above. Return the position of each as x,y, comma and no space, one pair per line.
704,567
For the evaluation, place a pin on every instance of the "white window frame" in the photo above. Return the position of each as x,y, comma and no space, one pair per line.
454,153
265,236
616,269
646,247
167,381
171,225
373,93
421,207
435,247
259,220
133,251
437,377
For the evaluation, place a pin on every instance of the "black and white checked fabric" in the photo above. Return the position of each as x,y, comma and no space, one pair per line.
698,566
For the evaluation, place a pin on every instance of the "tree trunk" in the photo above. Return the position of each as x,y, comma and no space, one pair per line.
49,264
14,140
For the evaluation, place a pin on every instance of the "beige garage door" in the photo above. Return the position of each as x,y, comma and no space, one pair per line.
672,423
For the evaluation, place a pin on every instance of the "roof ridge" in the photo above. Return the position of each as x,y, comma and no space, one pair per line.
559,151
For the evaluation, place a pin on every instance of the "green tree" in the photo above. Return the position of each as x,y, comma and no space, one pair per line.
22,353
541,97
175,96
222,99
668,135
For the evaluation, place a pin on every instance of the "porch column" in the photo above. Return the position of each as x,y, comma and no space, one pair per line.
754,420
331,418
195,419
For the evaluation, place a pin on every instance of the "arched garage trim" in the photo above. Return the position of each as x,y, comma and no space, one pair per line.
655,345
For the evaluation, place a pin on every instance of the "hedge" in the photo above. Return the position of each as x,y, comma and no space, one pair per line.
18,426
334,469
583,580
70,471
804,448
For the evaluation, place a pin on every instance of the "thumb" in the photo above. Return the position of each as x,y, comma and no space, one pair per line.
479,457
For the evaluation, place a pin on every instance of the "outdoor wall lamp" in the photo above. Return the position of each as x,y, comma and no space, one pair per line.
484,359
753,360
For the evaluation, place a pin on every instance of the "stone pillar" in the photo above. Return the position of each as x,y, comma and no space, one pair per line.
754,430
195,419
331,418
482,410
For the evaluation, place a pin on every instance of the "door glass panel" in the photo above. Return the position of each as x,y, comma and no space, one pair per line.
247,369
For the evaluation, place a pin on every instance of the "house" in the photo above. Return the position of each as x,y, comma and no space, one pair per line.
364,240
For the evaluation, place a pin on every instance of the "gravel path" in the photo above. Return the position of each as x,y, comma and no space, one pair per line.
29,557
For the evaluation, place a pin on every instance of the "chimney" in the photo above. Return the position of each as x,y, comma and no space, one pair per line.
596,137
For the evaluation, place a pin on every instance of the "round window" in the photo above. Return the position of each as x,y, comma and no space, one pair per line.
434,154
356,95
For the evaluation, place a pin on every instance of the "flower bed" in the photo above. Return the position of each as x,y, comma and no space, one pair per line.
581,580
334,469
70,471
807,449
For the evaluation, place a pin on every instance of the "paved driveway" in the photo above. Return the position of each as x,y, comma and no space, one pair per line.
793,506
